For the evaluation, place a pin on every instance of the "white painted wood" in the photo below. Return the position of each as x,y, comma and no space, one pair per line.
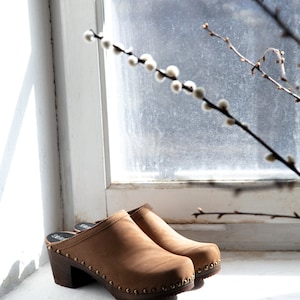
79,111
177,202
244,275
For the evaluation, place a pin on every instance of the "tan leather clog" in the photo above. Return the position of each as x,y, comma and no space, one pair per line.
205,256
117,253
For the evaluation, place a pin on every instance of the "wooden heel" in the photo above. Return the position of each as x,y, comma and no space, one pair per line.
65,273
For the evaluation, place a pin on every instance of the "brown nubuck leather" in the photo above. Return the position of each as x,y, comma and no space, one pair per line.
205,256
117,253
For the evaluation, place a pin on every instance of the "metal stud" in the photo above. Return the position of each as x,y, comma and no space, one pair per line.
97,272
75,258
127,290
104,276
57,251
211,266
49,247
83,262
119,288
153,290
111,282
206,268
135,291
90,268
199,271
163,288
172,286
145,291
67,255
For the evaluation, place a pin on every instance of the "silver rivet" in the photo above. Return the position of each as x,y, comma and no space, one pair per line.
83,262
206,268
135,292
90,268
172,286
119,288
211,266
75,258
67,255
163,288
111,282
127,290
49,247
145,291
57,251
97,272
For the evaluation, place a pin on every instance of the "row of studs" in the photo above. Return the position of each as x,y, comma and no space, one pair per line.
209,267
127,290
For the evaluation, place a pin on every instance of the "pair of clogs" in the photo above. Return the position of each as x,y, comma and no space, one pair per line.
136,255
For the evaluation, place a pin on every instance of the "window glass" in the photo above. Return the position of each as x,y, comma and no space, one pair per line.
156,135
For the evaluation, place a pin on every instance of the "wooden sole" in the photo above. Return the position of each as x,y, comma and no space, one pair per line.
72,274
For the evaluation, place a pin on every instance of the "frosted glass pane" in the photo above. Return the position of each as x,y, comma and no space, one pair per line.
156,135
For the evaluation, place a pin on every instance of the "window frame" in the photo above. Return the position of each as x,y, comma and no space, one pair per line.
87,191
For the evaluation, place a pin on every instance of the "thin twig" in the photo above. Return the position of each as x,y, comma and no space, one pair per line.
222,214
256,65
287,32
280,60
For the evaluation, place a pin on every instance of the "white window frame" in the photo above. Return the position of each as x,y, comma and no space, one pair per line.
87,191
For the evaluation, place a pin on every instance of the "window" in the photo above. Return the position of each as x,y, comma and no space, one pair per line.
106,169
159,136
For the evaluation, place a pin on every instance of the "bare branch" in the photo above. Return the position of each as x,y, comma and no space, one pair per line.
219,215
257,65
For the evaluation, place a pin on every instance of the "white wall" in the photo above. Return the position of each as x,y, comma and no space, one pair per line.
30,198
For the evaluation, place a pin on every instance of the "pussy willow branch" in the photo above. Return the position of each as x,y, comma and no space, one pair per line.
287,32
256,65
244,127
222,214
223,109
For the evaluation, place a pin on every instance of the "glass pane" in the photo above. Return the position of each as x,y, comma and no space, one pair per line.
156,135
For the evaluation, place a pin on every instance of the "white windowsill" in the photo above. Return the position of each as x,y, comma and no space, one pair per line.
244,275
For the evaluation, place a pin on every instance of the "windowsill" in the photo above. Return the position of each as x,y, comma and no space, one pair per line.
254,275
